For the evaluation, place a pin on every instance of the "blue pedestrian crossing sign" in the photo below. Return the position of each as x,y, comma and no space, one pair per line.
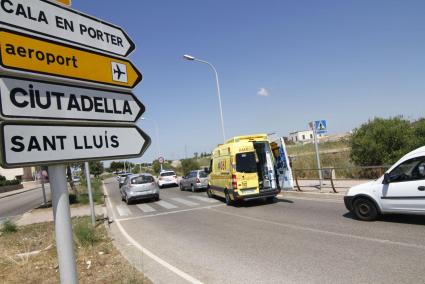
320,126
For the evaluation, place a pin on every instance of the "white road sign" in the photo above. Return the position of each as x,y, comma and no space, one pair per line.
38,144
57,21
24,98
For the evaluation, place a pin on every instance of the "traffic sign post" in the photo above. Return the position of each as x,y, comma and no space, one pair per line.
318,127
20,52
83,115
30,99
161,161
62,23
26,144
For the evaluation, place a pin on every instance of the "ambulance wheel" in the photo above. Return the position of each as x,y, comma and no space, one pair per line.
209,193
228,200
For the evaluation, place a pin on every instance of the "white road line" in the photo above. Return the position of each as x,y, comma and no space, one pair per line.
204,199
146,208
166,205
172,268
309,229
123,210
184,201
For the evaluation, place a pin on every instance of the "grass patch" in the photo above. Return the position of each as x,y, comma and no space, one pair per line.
84,234
81,195
9,227
98,262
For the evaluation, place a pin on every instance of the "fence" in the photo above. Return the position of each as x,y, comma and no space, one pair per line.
338,177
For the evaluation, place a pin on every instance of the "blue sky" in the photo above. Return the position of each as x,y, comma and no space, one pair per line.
344,61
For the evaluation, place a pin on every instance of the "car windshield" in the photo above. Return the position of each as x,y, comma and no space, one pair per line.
245,162
168,174
203,174
142,180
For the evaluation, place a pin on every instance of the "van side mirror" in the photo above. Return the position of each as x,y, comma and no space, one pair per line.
387,178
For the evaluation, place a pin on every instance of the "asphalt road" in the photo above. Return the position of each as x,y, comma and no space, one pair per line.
293,240
20,203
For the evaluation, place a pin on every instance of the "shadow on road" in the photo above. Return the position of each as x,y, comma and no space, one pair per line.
394,218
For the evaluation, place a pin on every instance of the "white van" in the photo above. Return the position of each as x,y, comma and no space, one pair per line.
400,190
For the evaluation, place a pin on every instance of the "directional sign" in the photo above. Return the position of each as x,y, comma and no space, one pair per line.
26,53
320,126
57,21
23,98
39,144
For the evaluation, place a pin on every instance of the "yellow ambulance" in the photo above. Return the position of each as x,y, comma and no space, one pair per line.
243,169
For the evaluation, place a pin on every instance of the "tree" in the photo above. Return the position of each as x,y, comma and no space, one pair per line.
382,141
189,165
96,168
195,155
419,130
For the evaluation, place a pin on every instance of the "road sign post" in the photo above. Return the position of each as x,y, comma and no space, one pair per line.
318,127
63,227
92,211
65,24
75,82
31,99
26,53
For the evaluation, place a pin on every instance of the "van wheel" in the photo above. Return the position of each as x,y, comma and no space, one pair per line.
228,200
209,193
364,209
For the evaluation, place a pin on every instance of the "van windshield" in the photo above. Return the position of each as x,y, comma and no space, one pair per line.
245,163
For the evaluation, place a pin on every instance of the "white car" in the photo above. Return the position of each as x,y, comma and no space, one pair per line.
167,178
400,190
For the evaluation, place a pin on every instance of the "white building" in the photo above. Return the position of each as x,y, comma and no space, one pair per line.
303,136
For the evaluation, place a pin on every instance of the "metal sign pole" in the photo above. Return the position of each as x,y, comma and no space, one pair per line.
63,227
43,190
316,144
93,214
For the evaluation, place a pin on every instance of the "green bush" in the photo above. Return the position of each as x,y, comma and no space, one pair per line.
4,182
382,141
84,234
189,165
9,227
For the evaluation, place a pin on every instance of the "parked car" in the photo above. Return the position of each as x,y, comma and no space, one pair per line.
121,178
194,180
167,178
139,187
400,190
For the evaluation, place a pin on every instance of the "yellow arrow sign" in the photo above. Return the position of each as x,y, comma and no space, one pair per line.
27,53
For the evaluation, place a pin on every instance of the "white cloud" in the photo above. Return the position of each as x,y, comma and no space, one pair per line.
263,92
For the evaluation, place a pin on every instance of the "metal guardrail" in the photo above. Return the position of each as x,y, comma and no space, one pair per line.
334,174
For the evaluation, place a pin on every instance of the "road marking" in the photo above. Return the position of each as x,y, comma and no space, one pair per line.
204,199
123,210
170,212
146,208
184,201
172,268
166,205
308,229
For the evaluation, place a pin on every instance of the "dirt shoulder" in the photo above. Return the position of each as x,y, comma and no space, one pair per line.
29,256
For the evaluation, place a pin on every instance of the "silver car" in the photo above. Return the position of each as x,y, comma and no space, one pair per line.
121,178
195,180
138,187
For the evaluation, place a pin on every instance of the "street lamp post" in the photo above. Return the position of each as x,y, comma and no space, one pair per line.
156,134
192,58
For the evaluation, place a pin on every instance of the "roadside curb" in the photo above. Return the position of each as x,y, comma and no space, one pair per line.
317,195
20,192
